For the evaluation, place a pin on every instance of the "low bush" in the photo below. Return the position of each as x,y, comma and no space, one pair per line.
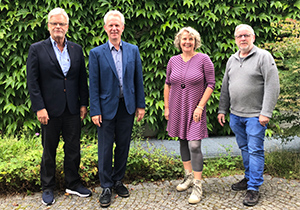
20,164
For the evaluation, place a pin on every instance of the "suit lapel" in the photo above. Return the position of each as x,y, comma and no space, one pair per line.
72,54
110,59
125,57
49,48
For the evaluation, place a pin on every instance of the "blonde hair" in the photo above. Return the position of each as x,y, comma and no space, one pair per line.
191,32
58,11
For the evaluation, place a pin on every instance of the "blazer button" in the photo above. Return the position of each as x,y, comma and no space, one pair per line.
64,90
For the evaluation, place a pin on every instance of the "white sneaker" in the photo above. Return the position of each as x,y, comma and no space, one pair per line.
196,193
187,181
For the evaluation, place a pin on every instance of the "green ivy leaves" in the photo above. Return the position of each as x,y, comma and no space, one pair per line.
149,24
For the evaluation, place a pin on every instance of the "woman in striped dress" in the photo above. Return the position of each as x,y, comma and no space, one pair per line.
190,81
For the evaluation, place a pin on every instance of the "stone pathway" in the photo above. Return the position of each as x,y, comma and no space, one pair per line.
275,193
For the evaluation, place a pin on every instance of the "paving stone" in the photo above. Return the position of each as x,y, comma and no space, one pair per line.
276,194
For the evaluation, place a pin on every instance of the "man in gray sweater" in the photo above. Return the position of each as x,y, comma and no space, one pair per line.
250,90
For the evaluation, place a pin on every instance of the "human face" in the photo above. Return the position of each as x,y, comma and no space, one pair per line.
245,42
114,28
58,27
187,42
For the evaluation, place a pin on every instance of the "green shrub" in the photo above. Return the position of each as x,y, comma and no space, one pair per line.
20,164
286,51
151,163
283,163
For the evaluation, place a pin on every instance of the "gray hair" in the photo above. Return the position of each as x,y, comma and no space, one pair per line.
244,26
192,32
58,11
114,13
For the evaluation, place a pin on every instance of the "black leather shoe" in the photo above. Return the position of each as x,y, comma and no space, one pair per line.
105,197
120,189
241,185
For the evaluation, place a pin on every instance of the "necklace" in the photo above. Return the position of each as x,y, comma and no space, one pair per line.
183,74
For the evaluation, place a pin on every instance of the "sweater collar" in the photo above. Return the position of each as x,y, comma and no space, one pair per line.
252,51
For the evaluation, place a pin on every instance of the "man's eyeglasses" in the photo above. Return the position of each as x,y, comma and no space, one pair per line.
59,24
243,35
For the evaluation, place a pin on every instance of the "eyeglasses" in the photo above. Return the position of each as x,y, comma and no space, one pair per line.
243,35
59,24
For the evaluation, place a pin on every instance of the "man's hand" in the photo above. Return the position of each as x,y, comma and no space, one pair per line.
139,113
221,119
263,120
83,112
97,120
43,116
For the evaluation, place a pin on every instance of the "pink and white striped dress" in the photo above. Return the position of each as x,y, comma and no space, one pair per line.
195,76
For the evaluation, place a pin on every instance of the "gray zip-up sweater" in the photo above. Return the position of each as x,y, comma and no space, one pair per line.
251,86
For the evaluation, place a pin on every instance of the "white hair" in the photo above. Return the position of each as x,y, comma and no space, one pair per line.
244,26
114,13
58,11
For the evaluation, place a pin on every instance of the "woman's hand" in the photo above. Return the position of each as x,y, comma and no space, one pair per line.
167,113
197,114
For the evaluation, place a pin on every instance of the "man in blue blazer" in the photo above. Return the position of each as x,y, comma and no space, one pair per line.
116,96
57,84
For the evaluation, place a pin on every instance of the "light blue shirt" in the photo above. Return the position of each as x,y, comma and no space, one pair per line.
63,57
117,56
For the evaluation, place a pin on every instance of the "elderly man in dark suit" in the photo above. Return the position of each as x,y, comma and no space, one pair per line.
116,95
57,83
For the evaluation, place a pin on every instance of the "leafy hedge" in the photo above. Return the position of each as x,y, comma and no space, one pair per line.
286,51
150,24
20,164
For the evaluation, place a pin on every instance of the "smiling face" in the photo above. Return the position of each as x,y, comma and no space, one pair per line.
58,27
244,39
187,42
114,28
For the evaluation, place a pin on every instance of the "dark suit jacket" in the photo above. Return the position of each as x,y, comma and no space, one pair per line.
47,85
104,82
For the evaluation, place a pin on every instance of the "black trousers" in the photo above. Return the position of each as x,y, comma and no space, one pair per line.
69,126
118,131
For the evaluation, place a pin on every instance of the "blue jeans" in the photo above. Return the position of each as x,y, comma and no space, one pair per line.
250,135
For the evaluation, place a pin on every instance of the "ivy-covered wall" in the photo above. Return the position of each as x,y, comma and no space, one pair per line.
150,24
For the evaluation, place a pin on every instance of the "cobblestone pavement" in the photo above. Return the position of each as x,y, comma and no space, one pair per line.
275,193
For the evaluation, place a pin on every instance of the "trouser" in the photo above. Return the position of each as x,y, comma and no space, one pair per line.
250,135
69,126
118,131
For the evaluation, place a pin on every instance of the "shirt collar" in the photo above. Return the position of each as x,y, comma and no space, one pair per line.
54,43
111,46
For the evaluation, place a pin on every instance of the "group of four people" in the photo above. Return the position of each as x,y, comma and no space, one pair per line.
57,83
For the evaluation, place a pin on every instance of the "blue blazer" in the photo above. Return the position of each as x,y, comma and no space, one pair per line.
104,82
47,85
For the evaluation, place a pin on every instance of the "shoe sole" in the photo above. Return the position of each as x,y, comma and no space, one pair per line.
123,195
48,204
194,202
104,205
182,189
77,193
250,204
238,189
